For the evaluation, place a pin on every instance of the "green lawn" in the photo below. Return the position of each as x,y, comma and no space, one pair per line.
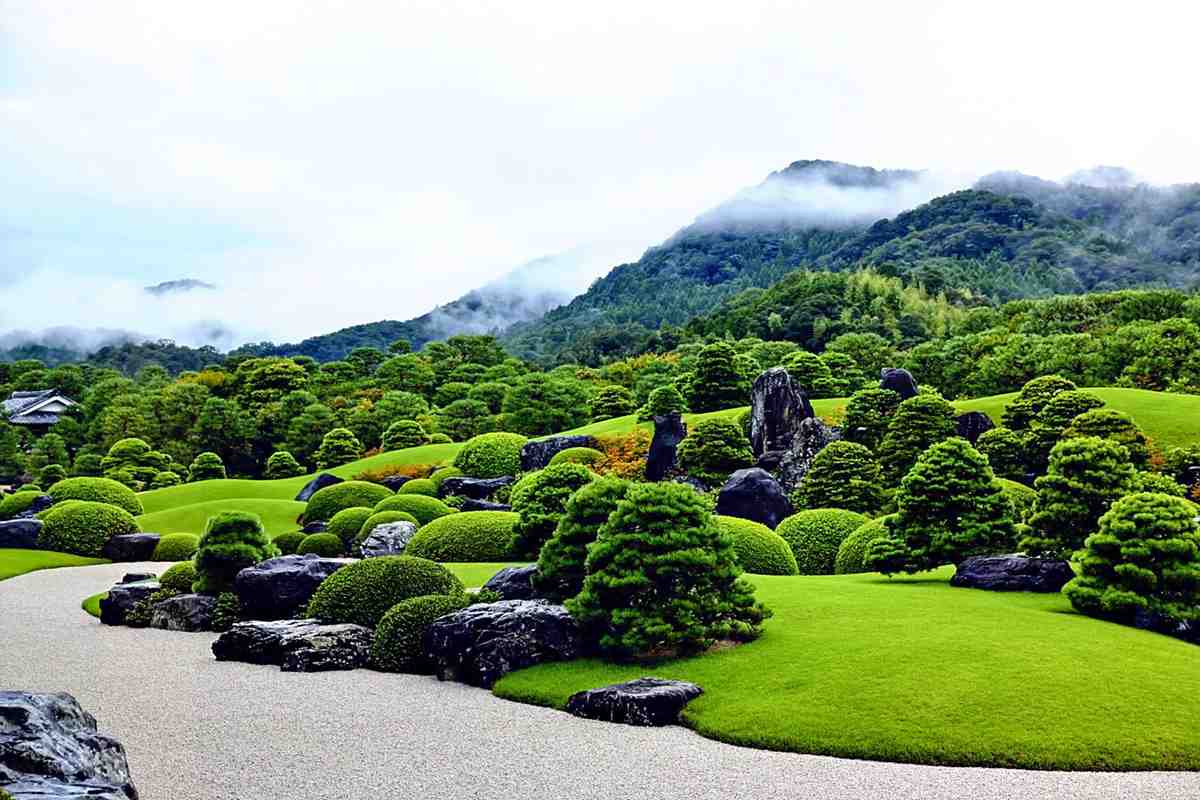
92,604
14,561
278,516
477,574
913,670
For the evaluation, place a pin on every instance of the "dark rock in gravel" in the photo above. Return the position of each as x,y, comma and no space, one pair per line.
259,642
296,645
642,701
513,583
184,612
315,485
51,748
316,526
669,431
122,598
394,482
138,577
22,533
811,438
753,494
39,504
972,425
474,488
484,505
388,539
483,643
899,381
536,454
130,547
1013,573
280,587
777,405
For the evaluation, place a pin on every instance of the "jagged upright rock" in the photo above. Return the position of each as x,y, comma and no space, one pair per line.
972,425
388,539
315,485
669,431
536,453
778,405
811,438
753,494
899,381
280,587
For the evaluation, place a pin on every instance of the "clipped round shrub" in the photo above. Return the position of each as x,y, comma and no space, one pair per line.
815,536
289,542
439,438
404,433
853,548
282,464
162,480
423,509
362,592
759,549
232,541
468,536
588,456
397,646
175,547
206,467
179,578
97,490
347,494
346,524
539,498
419,486
52,474
327,545
16,503
491,455
561,561
83,527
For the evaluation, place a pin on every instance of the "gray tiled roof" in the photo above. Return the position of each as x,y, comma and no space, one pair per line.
17,404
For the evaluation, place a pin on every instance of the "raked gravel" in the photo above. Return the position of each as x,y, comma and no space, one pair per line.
198,730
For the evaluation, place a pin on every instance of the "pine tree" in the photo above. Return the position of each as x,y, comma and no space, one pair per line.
717,384
1110,424
714,449
868,413
1019,414
918,424
843,475
561,561
339,446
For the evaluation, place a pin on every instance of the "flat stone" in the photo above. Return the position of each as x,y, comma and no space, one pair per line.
388,539
754,494
130,547
642,701
22,533
474,488
669,431
972,425
300,645
777,406
316,526
315,485
1013,573
185,612
536,454
123,597
513,583
899,381
138,577
280,587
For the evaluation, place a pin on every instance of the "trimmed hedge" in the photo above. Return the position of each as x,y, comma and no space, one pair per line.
491,455
175,547
323,544
16,503
346,524
179,578
853,548
588,456
348,494
423,509
398,639
467,536
232,541
83,527
815,536
289,542
759,549
362,592
97,490
419,486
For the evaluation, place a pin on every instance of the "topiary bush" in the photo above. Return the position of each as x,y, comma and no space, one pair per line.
918,424
338,446
491,455
1159,483
843,475
1144,559
588,456
1051,423
868,413
52,474
539,498
561,560
83,527
713,450
1020,413
327,545
282,464
397,646
175,547
164,479
612,401
663,579
362,592
17,503
439,438
423,486
97,490
348,494
1005,451
467,536
662,400
289,542
815,536
423,509
717,383
759,549
346,524
206,467
179,577
853,549
232,541
403,434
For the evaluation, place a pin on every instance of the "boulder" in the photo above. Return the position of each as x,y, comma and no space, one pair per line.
513,583
137,577
22,533
811,438
394,482
484,642
121,599
642,701
316,526
39,504
280,587
669,431
536,454
777,406
50,747
130,547
484,505
1013,573
184,612
1187,630
972,425
899,381
474,488
388,539
315,485
296,645
753,494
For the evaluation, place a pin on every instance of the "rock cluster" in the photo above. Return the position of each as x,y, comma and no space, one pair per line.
184,612
642,701
280,587
811,437
1013,573
296,645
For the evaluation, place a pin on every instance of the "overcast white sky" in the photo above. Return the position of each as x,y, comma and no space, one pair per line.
329,163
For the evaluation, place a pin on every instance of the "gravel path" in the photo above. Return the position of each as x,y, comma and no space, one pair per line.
194,728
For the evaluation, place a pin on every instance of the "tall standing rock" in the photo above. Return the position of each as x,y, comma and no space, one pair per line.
669,431
777,407
899,381
811,438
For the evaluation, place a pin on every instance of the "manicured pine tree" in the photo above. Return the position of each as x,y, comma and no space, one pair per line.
12,460
539,499
843,475
205,467
662,401
404,433
868,413
1052,422
612,401
717,384
561,561
919,423
1115,426
1019,414
282,464
232,541
713,449
1005,451
339,446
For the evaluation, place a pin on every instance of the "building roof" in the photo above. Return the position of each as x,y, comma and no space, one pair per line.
25,408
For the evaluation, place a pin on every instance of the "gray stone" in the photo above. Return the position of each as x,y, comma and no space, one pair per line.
474,488
513,583
184,612
394,482
811,438
131,547
121,599
316,526
536,454
39,504
51,748
899,381
21,533
753,494
669,431
315,485
972,425
280,587
484,505
777,406
1187,630
388,539
301,645
1013,573
484,642
642,701
138,577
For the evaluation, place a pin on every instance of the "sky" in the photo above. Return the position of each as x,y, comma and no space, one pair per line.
332,163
